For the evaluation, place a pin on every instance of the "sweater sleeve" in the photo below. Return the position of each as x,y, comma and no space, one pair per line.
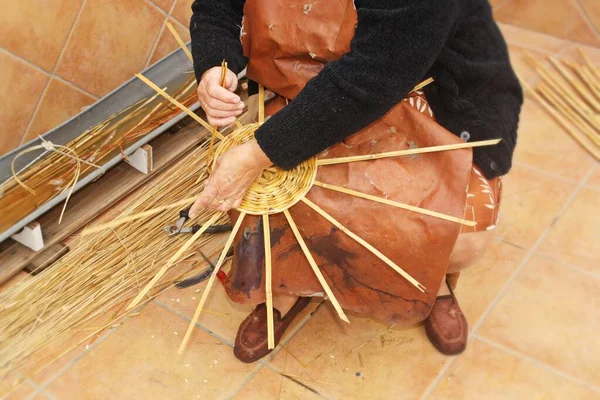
395,44
215,32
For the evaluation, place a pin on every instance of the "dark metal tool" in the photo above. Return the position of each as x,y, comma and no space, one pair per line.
183,217
180,228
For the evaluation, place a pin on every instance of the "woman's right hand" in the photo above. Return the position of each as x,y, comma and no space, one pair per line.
220,104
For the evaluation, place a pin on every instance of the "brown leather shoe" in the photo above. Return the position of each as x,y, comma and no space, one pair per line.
251,340
447,326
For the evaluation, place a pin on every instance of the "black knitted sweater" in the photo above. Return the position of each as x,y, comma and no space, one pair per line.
397,44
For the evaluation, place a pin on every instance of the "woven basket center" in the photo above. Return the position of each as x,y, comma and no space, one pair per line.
276,189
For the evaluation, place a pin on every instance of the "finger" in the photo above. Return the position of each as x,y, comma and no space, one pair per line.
206,197
219,122
221,114
216,104
220,93
231,81
223,207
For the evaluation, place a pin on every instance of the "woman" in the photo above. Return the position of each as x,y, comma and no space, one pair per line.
343,75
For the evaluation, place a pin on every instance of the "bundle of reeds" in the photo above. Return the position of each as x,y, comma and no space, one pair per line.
570,92
53,173
104,269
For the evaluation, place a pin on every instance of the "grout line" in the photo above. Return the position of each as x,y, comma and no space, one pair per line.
79,357
74,86
290,335
26,61
246,381
546,173
52,73
160,32
38,388
198,325
153,4
587,19
567,265
532,251
438,378
497,6
537,363
64,46
86,351
510,280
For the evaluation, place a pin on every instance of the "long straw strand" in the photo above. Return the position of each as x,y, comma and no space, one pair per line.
211,281
365,244
575,134
431,149
174,258
315,267
177,104
396,204
268,283
180,41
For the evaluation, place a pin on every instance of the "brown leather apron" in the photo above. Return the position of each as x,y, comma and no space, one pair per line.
287,44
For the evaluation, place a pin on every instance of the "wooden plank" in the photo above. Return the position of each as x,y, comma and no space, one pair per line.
46,257
98,196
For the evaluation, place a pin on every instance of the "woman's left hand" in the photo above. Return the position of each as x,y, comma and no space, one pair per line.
234,172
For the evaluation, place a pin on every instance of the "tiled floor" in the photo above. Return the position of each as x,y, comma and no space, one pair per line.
533,304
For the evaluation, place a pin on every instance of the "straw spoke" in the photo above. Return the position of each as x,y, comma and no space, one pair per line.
364,243
174,258
315,267
190,329
180,41
268,283
408,152
396,204
177,104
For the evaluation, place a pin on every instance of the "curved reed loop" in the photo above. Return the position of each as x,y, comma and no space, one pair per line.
276,189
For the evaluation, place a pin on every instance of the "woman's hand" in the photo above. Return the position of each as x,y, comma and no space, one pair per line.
220,104
234,172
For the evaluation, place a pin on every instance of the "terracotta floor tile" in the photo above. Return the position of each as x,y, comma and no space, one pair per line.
485,372
59,103
42,41
269,385
183,11
21,86
167,43
561,18
520,63
396,363
574,238
591,8
23,391
594,181
122,32
528,39
479,284
550,313
222,316
140,360
530,201
542,143
572,52
164,4
13,385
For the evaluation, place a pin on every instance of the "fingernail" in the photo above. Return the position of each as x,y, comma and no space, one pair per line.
241,105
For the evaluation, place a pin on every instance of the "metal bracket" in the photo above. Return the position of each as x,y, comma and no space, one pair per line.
141,159
31,236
